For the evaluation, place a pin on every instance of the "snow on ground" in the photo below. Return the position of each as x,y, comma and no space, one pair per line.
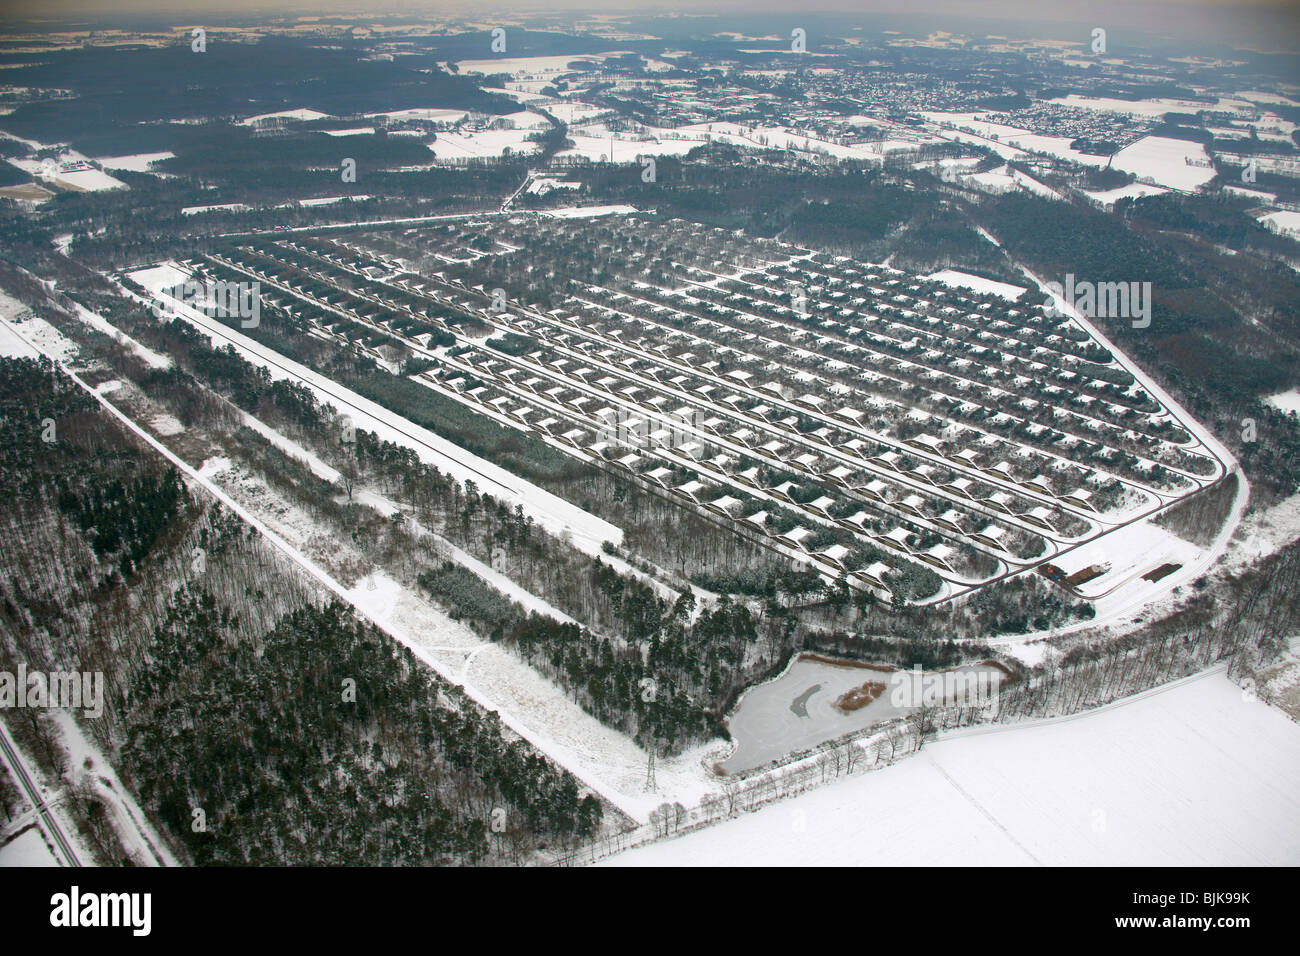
468,144
166,424
191,210
357,131
582,212
27,849
531,65
1288,401
86,763
46,337
618,757
1266,531
967,281
71,171
620,149
11,346
1109,197
387,506
138,163
781,137
1130,552
330,200
1149,109
1010,142
544,184
301,115
1284,221
100,324
430,114
530,704
1263,96
556,515
1164,161
1195,775
1030,184
572,112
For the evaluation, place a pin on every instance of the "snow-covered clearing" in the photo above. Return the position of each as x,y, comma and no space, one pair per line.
1166,162
468,144
39,332
1284,221
11,346
1009,142
583,212
1192,775
1288,401
330,200
531,65
1108,197
137,163
1149,109
229,206
70,170
300,115
979,284
430,114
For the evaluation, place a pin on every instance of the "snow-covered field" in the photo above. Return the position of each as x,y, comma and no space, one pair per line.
301,115
481,144
1195,775
978,283
71,172
582,212
139,163
1164,161
1149,109
530,65
27,849
431,114
1129,552
1284,221
1288,401
1109,197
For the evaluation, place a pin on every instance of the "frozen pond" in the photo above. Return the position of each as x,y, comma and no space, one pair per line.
798,709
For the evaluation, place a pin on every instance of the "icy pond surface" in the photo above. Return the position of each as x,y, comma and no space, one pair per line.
797,710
